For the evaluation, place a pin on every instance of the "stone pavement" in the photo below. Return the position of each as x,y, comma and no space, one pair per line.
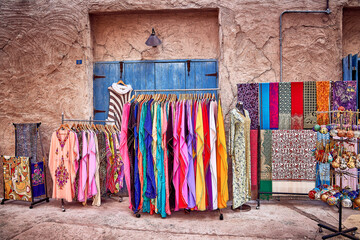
285,219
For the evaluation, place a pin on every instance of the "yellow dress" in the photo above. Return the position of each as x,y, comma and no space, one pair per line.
221,160
200,177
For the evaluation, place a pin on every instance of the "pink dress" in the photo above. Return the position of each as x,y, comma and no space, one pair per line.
92,191
83,169
184,155
124,148
176,168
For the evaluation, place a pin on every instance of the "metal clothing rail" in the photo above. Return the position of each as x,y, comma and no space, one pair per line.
82,120
177,90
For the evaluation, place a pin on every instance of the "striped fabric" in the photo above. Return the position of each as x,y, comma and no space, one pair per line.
119,95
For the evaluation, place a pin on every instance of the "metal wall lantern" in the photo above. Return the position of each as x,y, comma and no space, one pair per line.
153,40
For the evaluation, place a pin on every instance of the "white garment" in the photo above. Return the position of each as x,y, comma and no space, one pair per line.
213,138
119,95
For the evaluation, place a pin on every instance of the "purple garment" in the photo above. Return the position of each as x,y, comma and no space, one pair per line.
248,93
191,173
344,94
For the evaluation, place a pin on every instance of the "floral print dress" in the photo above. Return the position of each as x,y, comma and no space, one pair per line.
64,152
240,155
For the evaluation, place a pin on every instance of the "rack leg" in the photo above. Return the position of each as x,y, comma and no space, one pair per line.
3,201
336,232
221,216
62,205
258,204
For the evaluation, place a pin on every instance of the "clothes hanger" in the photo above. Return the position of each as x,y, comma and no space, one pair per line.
121,82
133,96
62,127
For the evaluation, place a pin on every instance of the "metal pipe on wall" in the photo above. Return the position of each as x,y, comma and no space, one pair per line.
327,11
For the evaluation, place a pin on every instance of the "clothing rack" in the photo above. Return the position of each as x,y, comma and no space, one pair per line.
259,177
177,90
340,231
33,202
88,121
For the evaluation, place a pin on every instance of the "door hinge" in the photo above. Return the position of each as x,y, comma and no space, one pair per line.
97,76
121,69
98,111
188,67
212,74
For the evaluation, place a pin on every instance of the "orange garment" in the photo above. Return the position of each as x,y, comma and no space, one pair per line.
322,101
221,160
64,153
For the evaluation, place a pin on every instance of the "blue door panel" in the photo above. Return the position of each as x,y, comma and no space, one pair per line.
354,65
111,71
170,76
197,76
346,69
139,75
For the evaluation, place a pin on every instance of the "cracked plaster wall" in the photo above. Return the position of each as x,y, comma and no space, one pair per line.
40,41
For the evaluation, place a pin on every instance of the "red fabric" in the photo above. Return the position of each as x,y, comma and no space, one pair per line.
297,107
254,157
274,105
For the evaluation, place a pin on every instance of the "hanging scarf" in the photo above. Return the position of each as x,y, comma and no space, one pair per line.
274,105
264,106
285,105
309,104
297,118
322,101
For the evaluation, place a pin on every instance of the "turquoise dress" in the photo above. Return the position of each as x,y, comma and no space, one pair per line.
146,202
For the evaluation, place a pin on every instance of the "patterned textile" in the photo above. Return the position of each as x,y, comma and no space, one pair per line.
266,163
254,157
309,104
322,101
248,93
297,107
264,89
38,179
26,140
284,105
103,161
239,152
16,178
344,94
292,155
274,105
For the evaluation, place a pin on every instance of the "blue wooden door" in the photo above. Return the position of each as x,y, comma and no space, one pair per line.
151,75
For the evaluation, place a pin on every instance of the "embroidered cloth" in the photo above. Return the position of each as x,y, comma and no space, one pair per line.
248,93
16,178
